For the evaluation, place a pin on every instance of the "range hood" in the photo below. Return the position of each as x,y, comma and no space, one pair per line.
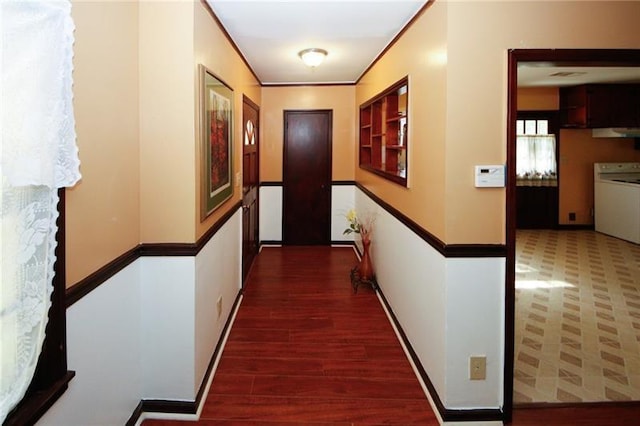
616,132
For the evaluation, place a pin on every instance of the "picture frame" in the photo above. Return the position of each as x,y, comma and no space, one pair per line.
216,122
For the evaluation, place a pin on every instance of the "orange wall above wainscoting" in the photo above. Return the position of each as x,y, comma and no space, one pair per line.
210,47
340,99
420,54
455,56
538,99
103,209
578,152
136,102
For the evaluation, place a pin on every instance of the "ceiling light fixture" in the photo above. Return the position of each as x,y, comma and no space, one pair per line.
312,57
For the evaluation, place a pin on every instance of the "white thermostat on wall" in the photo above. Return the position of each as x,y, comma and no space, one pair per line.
490,176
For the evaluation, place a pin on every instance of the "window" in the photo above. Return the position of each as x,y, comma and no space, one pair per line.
536,149
39,157
384,133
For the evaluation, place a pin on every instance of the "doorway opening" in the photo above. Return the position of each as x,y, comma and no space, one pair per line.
576,345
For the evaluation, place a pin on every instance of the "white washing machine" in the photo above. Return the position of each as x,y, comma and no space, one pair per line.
617,200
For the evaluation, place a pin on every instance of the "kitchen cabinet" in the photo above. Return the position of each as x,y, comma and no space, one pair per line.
600,105
536,207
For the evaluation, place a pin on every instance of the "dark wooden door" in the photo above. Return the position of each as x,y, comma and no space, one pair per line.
250,183
307,177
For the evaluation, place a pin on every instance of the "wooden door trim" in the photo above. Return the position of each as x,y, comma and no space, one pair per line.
557,57
252,105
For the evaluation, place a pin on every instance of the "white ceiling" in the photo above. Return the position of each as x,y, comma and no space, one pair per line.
270,33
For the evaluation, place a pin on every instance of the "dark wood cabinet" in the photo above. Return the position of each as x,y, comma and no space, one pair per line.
600,105
536,207
383,133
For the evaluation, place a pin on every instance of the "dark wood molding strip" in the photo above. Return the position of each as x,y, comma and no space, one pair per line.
188,249
475,250
333,183
445,413
202,241
168,249
389,176
270,243
185,407
90,283
346,83
137,412
576,227
31,410
230,40
343,243
447,250
577,405
586,57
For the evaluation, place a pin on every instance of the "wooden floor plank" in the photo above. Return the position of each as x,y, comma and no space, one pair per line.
304,349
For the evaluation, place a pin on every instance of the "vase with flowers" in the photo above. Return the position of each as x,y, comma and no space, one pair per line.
363,272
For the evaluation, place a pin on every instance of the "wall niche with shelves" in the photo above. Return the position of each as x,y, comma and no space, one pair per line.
383,133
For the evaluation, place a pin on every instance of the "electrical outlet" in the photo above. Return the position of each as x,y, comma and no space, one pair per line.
572,216
219,306
478,368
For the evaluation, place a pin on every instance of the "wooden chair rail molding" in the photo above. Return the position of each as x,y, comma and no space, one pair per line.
88,284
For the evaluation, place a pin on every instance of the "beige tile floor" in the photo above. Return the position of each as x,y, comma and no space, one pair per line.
577,330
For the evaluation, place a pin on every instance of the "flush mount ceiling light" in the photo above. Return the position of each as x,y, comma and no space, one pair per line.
312,57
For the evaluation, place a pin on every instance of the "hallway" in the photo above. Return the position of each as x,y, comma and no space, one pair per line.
305,350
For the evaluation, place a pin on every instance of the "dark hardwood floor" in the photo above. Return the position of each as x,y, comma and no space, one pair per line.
305,350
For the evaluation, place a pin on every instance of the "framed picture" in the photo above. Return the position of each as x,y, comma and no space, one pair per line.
216,110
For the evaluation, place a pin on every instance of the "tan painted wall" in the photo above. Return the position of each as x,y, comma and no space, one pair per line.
480,34
340,99
420,54
538,99
578,152
103,210
135,99
214,51
167,131
458,108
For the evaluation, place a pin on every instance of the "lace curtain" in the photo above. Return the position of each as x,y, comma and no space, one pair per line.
38,155
536,160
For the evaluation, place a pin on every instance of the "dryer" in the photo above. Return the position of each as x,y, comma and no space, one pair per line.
616,196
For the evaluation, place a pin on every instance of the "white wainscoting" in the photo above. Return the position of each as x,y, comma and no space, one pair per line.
270,213
148,332
475,326
449,308
342,199
218,274
167,327
103,348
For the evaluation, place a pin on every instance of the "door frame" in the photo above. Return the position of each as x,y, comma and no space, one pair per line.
248,101
560,57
